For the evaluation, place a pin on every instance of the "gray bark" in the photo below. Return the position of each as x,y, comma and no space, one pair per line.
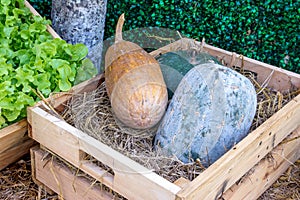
81,21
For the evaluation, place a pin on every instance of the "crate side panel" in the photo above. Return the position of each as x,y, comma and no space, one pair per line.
241,158
12,135
262,176
15,152
14,143
62,180
55,134
71,144
130,178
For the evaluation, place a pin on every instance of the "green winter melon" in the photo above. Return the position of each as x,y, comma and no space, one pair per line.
174,65
212,109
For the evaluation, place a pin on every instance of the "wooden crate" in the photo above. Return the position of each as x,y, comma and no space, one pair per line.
243,172
14,141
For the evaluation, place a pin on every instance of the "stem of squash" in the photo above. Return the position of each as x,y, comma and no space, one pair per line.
119,28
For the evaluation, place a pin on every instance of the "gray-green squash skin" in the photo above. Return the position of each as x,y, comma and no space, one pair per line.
212,109
174,65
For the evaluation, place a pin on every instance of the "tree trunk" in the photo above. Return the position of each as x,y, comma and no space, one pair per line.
81,21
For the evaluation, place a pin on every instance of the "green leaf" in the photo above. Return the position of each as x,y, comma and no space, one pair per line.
5,2
2,121
7,103
25,34
5,68
11,114
7,31
86,71
45,50
43,84
24,100
24,76
37,28
79,51
24,56
56,63
64,85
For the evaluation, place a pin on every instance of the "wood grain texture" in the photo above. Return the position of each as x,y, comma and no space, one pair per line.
14,143
269,169
63,180
128,175
246,154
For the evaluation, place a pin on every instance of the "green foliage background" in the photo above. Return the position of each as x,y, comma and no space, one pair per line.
267,31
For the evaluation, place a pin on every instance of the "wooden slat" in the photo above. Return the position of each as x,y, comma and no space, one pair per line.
274,77
14,153
265,173
262,176
220,176
14,143
63,181
128,175
12,135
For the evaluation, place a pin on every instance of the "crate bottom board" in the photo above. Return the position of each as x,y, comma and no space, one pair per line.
60,178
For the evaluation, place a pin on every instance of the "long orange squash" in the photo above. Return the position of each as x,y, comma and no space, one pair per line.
134,83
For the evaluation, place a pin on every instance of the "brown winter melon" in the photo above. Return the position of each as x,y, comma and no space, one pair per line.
134,83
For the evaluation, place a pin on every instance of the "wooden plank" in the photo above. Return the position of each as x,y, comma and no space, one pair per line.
70,144
54,134
63,181
33,166
12,135
267,171
14,153
181,182
220,176
14,143
130,178
269,75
